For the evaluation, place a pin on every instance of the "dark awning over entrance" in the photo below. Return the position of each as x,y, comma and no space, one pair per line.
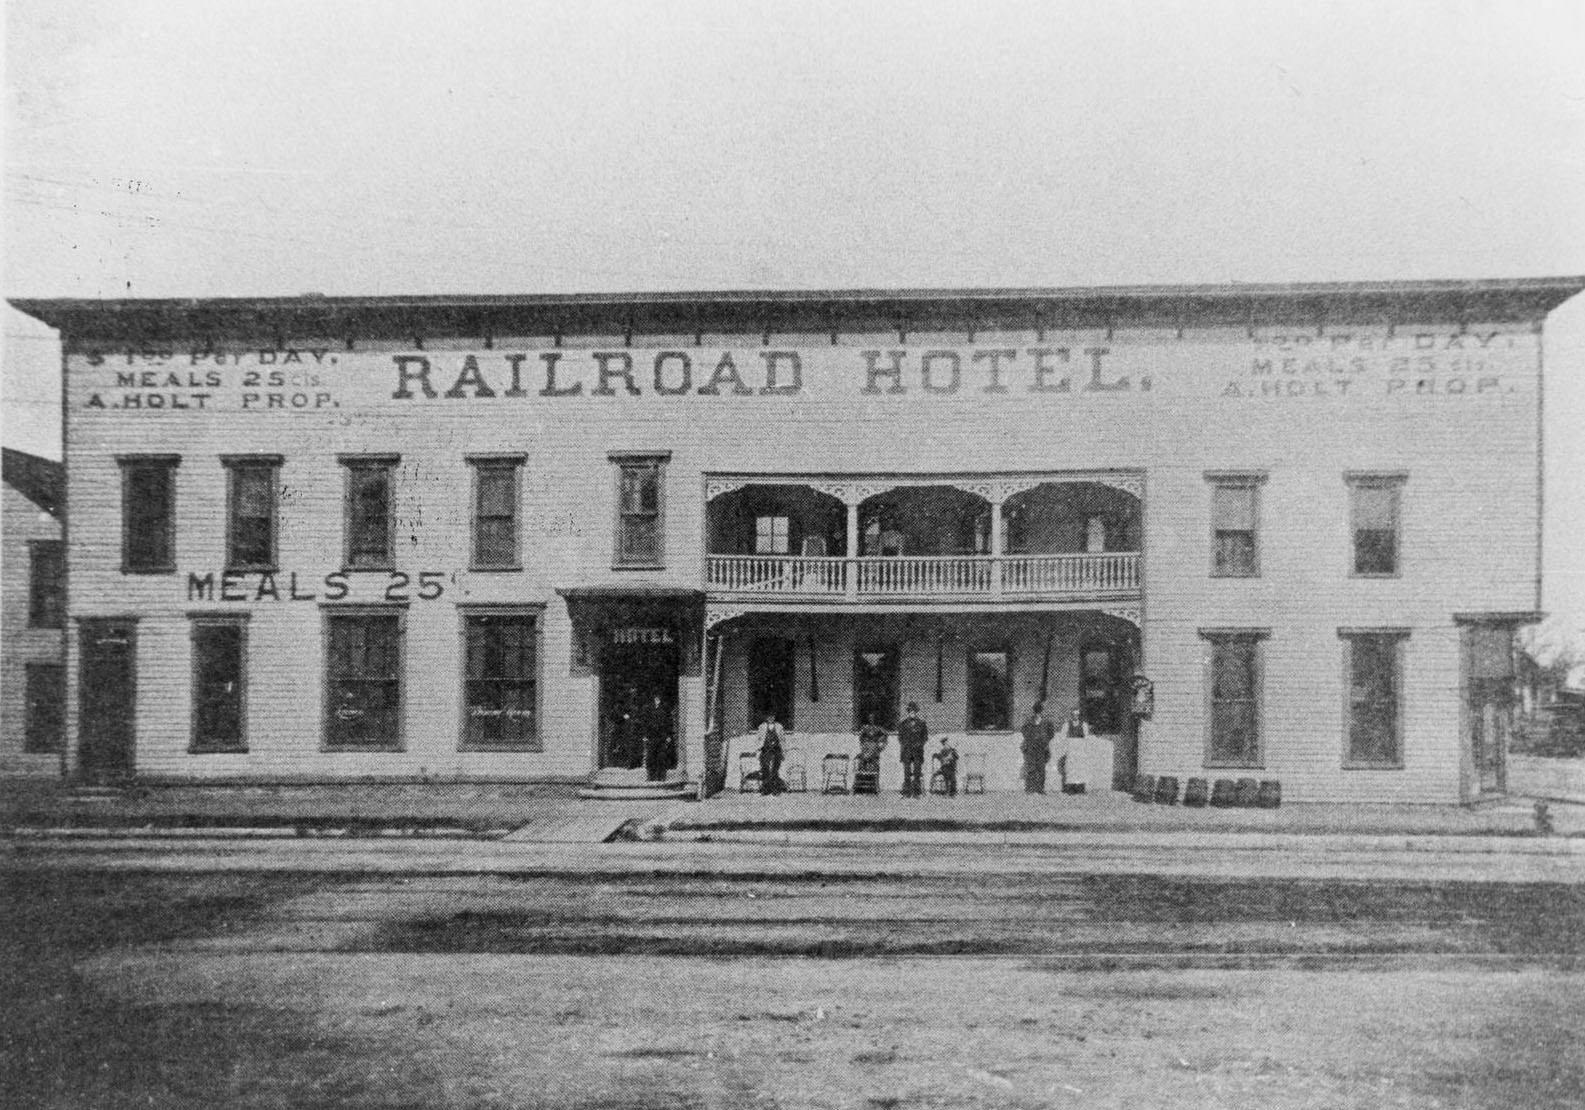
598,612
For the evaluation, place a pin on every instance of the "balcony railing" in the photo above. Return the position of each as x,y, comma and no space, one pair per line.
924,576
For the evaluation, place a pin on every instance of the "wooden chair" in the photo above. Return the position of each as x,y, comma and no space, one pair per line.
973,772
748,776
834,774
938,779
866,778
793,772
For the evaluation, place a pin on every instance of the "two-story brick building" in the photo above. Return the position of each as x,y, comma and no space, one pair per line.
1281,531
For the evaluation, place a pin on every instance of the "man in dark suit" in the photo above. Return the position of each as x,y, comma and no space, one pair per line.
1037,735
912,736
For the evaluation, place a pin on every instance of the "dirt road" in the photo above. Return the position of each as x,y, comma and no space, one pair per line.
642,987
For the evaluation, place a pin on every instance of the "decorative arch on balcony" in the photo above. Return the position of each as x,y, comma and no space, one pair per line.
924,519
1071,517
775,518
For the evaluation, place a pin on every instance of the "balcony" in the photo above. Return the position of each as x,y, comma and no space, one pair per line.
1110,574
979,538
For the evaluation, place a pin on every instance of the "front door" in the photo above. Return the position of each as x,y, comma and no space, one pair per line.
1488,704
638,701
108,699
1101,688
772,677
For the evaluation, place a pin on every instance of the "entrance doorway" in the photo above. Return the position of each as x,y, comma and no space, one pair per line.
638,701
107,699
772,677
1488,704
875,686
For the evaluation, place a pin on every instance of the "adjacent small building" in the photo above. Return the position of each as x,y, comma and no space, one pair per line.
32,617
1280,532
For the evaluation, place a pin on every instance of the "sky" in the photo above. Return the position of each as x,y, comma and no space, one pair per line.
364,147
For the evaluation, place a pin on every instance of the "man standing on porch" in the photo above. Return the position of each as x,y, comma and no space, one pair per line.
1037,748
912,736
770,756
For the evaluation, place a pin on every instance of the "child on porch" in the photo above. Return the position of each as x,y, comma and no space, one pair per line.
947,761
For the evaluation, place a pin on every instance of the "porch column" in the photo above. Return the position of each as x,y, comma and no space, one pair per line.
850,568
996,544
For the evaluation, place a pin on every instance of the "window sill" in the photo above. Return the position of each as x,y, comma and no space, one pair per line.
505,568
373,749
217,749
638,566
148,570
1235,574
383,568
251,568
1233,767
1373,766
534,747
1376,574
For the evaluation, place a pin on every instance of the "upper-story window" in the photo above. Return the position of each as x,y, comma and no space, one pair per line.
46,584
495,497
148,513
1374,521
251,482
640,533
370,542
1235,524
772,535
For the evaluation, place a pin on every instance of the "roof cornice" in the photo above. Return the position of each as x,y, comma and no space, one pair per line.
1320,303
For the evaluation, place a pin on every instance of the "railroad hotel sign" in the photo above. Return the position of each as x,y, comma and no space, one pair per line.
598,538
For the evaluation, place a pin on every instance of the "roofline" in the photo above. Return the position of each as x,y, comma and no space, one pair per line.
1568,284
1511,298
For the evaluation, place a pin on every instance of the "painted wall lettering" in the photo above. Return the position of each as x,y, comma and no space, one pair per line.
235,586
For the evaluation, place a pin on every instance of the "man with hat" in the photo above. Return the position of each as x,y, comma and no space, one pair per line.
912,736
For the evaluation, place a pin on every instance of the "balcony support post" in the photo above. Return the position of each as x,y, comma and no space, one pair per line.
996,544
850,568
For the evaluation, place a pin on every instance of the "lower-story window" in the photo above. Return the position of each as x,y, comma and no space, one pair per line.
501,682
219,684
1233,723
46,708
1373,670
363,680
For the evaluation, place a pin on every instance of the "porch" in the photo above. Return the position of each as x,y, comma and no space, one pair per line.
1031,537
976,676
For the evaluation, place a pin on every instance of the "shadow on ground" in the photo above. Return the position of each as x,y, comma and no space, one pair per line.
63,1044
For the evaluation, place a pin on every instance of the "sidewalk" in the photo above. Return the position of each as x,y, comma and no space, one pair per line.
752,817
547,812
552,813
